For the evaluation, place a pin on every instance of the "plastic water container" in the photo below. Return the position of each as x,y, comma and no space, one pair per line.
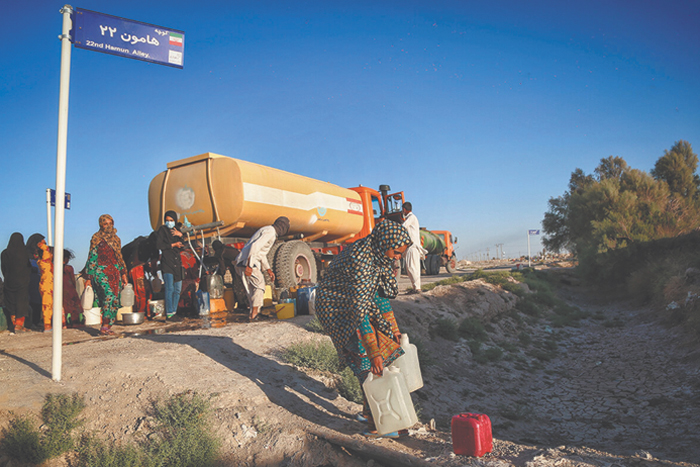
203,302
126,298
303,296
215,286
409,365
88,299
312,301
390,402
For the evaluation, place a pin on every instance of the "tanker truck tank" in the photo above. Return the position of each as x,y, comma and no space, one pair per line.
244,196
431,242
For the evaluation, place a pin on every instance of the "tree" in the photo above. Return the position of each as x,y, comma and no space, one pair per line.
677,168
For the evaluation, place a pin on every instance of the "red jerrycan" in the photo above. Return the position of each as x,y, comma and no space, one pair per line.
471,434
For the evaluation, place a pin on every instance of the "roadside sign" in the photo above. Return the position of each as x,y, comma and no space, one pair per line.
53,199
533,232
127,38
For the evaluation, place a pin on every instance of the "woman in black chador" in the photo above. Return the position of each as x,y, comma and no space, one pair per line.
16,269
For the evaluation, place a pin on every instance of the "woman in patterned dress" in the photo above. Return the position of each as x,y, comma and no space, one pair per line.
359,279
106,271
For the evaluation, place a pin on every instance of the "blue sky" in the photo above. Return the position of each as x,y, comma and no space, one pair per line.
478,111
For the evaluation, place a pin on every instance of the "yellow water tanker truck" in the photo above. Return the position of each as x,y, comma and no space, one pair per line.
221,197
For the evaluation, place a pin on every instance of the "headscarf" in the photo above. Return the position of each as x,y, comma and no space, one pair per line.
171,214
109,234
33,245
281,226
15,262
346,292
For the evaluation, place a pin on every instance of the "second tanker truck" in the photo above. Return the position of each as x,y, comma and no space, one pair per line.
441,251
228,198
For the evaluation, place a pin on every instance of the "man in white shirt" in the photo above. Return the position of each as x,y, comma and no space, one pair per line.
253,259
415,253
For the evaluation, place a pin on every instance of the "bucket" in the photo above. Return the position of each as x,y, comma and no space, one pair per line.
409,365
93,316
390,402
285,310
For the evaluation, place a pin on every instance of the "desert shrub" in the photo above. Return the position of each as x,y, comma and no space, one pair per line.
186,439
315,326
566,315
492,354
525,338
20,440
514,287
349,386
528,306
424,357
60,414
449,281
545,298
472,328
183,439
94,452
446,328
317,355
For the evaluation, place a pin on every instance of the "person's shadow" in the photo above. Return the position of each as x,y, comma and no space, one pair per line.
272,378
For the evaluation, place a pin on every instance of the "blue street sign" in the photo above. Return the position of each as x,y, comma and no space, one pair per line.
132,39
533,232
53,199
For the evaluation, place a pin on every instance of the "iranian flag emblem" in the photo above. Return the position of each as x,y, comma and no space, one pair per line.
175,39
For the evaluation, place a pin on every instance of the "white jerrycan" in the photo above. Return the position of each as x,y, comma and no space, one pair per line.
389,401
409,365
126,298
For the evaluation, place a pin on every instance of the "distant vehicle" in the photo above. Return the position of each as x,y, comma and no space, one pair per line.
441,252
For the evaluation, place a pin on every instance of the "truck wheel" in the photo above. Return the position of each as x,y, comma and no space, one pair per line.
428,265
451,265
434,261
294,262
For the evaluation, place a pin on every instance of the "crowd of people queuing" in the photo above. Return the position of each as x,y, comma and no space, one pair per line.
28,272
352,298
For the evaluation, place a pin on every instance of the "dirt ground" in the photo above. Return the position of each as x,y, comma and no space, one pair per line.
617,389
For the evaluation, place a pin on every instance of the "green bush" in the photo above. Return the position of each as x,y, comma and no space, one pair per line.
528,306
472,328
349,386
446,328
448,281
93,452
492,354
315,326
23,441
60,414
317,355
20,440
424,358
183,439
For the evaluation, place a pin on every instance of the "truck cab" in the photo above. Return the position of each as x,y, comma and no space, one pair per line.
377,205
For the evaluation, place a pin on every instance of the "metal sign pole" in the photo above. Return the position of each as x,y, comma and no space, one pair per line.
49,239
57,320
529,262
